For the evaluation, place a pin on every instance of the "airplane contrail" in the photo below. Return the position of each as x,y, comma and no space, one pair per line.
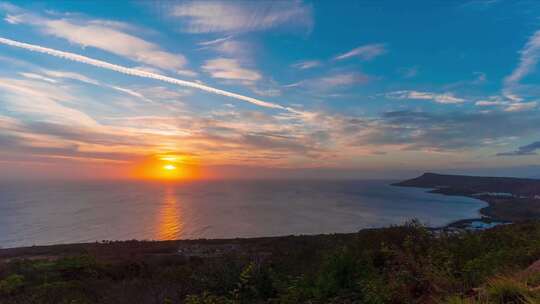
139,73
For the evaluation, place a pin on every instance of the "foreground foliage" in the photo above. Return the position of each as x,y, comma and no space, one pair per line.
406,264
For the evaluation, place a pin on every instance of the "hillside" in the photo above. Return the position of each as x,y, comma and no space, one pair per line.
396,265
509,199
476,184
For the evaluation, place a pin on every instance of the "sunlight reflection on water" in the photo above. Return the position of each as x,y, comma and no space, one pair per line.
170,225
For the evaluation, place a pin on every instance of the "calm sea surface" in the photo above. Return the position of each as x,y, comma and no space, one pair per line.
54,212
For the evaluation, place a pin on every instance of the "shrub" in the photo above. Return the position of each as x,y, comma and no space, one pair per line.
11,284
504,290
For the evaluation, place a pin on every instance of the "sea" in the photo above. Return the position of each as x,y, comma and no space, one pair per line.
57,212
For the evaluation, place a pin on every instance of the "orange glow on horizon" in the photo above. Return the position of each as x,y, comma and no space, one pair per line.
166,167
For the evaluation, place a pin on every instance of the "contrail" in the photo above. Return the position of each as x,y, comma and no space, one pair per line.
139,73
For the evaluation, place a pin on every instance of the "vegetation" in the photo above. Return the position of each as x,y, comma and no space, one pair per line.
405,264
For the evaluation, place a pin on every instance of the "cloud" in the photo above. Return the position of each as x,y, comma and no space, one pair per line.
47,141
37,77
520,106
365,52
414,130
508,105
71,75
529,57
307,64
130,92
50,74
409,72
230,69
481,78
116,42
229,16
489,103
233,48
107,36
332,81
215,41
274,142
160,92
41,100
266,88
343,79
138,73
445,98
529,149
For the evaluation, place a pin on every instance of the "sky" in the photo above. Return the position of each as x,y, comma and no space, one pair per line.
255,89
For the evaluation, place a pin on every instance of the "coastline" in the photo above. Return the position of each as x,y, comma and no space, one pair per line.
466,223
509,200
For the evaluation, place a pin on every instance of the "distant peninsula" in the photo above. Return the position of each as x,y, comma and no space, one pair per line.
510,199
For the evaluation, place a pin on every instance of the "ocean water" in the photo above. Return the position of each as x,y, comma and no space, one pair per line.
41,213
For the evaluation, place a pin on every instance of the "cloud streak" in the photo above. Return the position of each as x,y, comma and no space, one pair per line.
529,149
138,73
307,64
530,55
227,68
106,35
215,16
365,52
446,98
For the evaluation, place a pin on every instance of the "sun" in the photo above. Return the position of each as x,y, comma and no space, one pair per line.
166,167
169,167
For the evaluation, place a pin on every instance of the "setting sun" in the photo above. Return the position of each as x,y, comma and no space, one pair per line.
169,167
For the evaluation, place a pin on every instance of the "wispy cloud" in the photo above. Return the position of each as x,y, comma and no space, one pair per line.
529,149
230,69
408,72
481,78
240,50
229,16
71,75
108,36
37,77
307,64
41,100
508,105
332,81
490,103
138,73
444,98
520,106
364,52
529,56
215,41
447,131
342,79
53,77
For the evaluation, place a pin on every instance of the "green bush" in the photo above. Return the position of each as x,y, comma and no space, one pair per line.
11,284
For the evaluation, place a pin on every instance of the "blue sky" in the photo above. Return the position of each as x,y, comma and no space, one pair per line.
355,89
